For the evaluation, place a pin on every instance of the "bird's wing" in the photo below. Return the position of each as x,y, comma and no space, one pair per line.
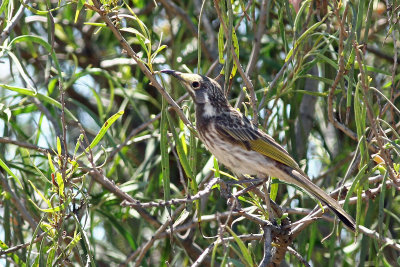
239,129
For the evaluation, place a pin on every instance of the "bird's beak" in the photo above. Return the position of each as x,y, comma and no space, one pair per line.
185,79
174,73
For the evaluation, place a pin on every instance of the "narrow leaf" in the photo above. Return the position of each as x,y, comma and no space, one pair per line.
245,253
5,167
103,130
164,151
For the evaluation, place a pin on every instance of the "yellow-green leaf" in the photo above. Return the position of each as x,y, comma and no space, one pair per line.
103,130
40,194
78,9
221,45
50,210
5,167
53,170
59,151
60,183
243,249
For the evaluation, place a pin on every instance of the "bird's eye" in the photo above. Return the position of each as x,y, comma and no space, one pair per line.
195,84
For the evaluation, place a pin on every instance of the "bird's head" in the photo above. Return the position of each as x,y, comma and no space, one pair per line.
205,92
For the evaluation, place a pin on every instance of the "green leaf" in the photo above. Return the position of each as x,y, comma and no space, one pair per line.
155,53
40,194
60,183
79,6
303,6
181,152
53,170
274,190
22,70
45,98
49,210
3,5
236,48
39,12
97,24
245,253
142,26
192,152
103,131
134,31
214,254
74,242
86,243
41,175
25,109
50,258
78,143
164,151
5,167
354,184
45,44
99,103
217,174
221,44
59,150
142,42
304,35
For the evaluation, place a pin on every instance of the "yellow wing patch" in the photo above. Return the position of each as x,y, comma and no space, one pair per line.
273,152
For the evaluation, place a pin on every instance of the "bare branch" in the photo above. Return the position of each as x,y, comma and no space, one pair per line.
375,235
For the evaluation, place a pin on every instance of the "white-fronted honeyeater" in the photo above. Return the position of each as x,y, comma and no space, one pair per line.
241,146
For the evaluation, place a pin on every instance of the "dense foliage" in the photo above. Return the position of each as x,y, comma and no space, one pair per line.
100,161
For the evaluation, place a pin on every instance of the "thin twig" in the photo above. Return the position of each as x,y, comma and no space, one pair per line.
371,117
21,246
125,45
45,151
10,26
339,76
395,59
160,230
375,235
109,185
257,220
255,51
298,256
206,191
203,255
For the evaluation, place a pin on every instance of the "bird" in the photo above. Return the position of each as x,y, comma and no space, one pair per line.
241,146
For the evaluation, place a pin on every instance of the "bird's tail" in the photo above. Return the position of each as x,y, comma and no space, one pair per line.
302,181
